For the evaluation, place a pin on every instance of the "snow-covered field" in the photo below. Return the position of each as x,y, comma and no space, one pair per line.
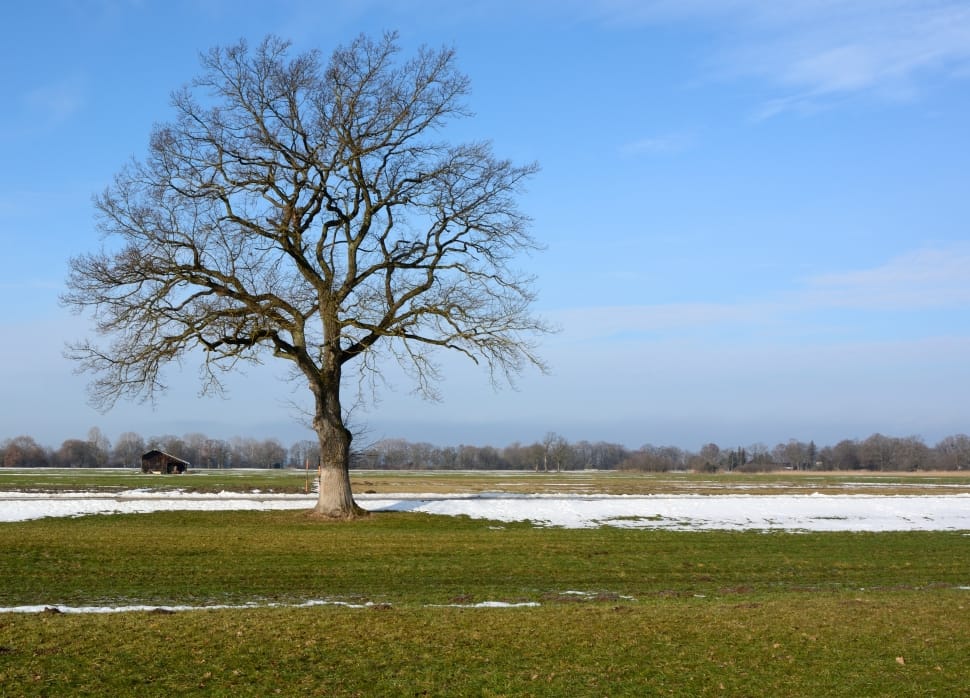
815,512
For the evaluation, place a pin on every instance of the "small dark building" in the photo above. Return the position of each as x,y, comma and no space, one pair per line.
160,462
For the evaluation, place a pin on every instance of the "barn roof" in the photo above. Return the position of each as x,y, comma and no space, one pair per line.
155,452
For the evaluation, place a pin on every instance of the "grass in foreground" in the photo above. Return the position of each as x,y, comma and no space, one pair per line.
661,613
885,644
203,557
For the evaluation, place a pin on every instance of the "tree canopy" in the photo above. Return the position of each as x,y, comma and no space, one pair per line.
311,212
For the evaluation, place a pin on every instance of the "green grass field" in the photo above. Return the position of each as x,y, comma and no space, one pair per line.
577,481
613,612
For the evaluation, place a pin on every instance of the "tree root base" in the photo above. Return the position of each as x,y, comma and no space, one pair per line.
354,515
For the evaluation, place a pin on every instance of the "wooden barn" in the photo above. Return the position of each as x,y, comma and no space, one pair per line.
160,462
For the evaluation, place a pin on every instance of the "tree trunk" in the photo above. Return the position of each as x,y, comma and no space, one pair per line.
335,500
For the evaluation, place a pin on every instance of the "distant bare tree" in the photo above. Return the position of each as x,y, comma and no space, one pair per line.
953,452
554,451
128,450
304,454
311,213
100,445
521,457
608,455
271,454
710,456
877,452
170,443
911,453
794,453
217,454
23,452
758,455
75,453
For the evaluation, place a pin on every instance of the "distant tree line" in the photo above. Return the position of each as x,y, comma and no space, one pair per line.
552,453
877,452
96,451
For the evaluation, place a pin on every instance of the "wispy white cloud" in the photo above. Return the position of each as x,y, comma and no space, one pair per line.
656,145
811,52
925,279
920,279
56,102
817,51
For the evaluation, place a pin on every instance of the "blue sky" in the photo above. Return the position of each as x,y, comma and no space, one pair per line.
756,213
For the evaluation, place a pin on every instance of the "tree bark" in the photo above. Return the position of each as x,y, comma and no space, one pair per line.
335,499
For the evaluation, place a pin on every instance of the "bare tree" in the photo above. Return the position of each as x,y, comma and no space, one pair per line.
271,453
553,449
794,453
843,456
710,456
99,445
23,452
304,452
522,457
953,452
128,449
877,452
76,453
308,211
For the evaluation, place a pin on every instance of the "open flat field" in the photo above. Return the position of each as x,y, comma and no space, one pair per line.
404,603
578,499
468,482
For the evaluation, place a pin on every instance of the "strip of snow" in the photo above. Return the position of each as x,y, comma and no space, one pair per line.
710,512
55,608
21,506
814,512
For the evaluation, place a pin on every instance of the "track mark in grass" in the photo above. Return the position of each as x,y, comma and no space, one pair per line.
584,596
673,594
488,604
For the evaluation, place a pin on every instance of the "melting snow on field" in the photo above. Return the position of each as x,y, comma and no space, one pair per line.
815,512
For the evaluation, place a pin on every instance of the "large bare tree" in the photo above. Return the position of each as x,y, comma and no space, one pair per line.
309,211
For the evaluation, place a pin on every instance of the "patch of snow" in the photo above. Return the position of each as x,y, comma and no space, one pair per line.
21,506
54,608
814,512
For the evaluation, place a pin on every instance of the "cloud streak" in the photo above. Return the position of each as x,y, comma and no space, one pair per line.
56,102
919,280
818,51
658,145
